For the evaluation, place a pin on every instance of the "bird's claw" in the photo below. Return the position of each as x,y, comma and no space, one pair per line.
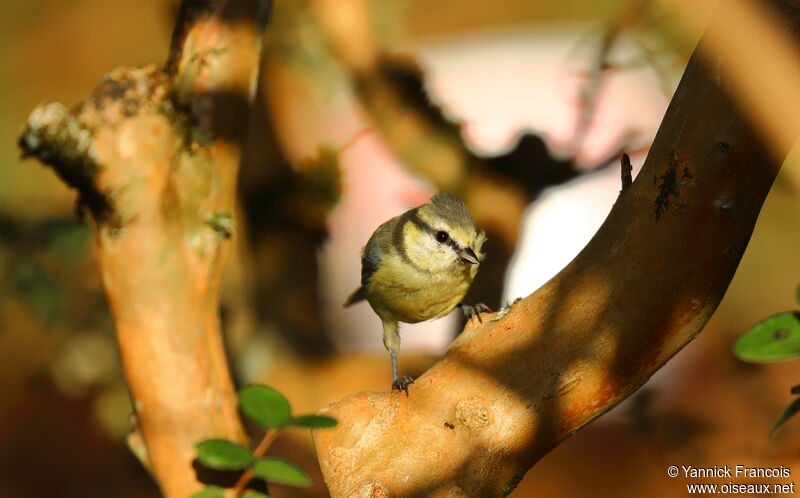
471,311
402,384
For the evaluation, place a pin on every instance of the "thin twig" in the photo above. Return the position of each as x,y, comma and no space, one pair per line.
590,91
262,448
625,172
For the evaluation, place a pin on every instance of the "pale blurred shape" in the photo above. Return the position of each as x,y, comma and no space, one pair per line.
88,359
504,83
557,227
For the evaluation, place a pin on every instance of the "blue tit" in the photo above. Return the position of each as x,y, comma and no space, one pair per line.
418,266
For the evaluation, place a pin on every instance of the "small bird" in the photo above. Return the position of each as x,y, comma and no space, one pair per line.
418,266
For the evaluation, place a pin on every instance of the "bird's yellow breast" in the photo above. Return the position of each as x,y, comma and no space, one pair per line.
399,292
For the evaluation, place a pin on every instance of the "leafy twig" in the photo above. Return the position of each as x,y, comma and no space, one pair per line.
261,449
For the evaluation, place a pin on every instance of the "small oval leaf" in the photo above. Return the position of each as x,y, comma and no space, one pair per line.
785,415
209,492
254,494
313,421
280,471
222,454
266,406
776,338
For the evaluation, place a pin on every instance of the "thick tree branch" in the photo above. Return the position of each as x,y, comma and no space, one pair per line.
515,387
154,155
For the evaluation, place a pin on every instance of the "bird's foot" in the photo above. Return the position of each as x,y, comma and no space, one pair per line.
471,311
402,384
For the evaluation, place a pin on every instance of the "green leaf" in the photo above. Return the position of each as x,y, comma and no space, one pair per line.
265,405
222,454
313,421
776,338
797,294
254,494
785,415
280,471
209,492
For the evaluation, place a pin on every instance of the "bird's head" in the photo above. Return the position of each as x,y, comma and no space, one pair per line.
442,235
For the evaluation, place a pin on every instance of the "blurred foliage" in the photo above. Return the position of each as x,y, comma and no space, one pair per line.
284,209
293,37
254,494
40,264
785,415
317,189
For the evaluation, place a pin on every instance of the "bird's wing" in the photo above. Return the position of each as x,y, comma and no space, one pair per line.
370,260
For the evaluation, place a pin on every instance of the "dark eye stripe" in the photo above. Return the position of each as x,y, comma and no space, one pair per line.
414,218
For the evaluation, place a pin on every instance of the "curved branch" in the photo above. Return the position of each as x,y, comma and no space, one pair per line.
511,389
154,155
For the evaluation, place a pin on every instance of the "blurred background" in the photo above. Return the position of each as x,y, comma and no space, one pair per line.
366,108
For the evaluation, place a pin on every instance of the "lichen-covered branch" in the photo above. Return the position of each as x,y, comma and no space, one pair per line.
154,155
511,389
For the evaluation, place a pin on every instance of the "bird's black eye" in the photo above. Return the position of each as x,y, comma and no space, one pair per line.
442,237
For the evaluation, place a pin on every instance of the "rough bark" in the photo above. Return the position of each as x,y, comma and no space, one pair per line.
154,155
511,389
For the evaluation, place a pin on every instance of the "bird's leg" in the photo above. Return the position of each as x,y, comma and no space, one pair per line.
393,354
471,311
391,339
399,383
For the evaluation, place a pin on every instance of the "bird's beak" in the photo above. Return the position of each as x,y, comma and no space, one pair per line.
467,255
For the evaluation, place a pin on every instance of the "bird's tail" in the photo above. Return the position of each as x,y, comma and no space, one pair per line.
359,295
